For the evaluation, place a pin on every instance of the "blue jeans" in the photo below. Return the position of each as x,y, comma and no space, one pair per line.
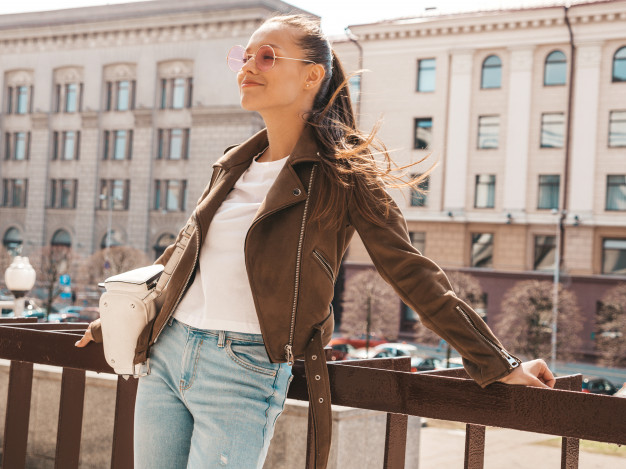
211,400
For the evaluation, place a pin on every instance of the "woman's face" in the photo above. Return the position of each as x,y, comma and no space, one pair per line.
283,87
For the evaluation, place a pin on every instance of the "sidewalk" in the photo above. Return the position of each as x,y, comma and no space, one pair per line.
444,446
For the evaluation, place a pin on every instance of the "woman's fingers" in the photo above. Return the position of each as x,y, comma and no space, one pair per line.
85,339
531,373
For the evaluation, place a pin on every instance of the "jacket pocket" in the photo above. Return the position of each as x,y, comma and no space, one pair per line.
321,259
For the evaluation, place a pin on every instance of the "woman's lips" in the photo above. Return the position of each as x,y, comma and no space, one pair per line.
246,84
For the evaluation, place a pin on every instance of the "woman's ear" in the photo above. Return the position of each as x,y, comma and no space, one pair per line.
314,77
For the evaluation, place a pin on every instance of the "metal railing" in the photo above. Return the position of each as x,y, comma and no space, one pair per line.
384,385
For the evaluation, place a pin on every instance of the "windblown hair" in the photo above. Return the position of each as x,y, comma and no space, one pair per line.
348,155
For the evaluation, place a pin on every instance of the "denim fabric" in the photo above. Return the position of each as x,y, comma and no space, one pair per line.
211,400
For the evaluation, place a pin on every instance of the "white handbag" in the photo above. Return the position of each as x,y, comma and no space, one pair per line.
129,304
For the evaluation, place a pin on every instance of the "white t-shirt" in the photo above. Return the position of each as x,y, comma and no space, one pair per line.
220,297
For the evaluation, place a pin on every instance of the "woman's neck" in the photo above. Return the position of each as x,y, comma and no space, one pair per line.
282,136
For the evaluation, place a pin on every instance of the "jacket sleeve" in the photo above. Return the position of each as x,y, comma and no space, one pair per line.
424,287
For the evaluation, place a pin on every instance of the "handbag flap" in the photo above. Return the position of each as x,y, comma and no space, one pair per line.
140,276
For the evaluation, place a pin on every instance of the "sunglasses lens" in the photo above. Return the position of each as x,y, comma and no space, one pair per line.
265,58
236,58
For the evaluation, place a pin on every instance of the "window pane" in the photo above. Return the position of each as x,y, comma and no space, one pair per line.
66,193
178,99
488,130
491,72
556,69
71,97
548,191
617,129
20,146
420,199
426,75
619,65
173,195
119,151
616,192
68,153
485,191
157,195
19,193
163,93
22,100
552,130
123,93
118,194
545,252
176,144
418,240
482,250
614,256
423,133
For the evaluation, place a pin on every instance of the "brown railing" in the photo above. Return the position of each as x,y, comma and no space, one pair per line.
379,384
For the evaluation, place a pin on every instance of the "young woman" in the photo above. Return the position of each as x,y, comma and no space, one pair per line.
252,291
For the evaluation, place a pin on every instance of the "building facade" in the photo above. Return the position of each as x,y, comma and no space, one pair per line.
524,113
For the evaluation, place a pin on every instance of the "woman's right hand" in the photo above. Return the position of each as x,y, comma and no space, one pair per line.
85,339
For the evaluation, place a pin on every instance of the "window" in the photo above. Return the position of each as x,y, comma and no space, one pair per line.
354,85
491,72
485,193
552,130
619,65
170,195
162,243
488,130
614,256
114,194
22,100
482,250
616,192
120,95
426,75
69,97
17,146
112,238
118,144
61,238
545,252
423,133
418,240
617,129
173,144
12,241
14,192
548,191
420,198
176,93
555,70
66,145
63,193
19,99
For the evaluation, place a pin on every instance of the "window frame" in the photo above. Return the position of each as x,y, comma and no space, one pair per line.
490,187
621,185
494,66
425,70
416,122
612,122
543,129
561,61
541,184
474,237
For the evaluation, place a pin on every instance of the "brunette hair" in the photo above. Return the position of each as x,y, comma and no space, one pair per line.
348,155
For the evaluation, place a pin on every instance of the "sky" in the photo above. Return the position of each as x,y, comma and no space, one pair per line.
336,14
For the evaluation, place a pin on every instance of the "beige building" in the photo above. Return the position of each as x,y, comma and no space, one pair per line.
491,96
112,116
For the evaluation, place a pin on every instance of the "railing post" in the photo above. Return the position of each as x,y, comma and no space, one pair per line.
474,446
570,447
70,419
17,415
122,451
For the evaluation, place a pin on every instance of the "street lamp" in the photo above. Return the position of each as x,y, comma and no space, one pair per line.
20,279
111,198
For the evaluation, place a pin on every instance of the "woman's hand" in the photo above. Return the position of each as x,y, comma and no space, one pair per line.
85,339
532,373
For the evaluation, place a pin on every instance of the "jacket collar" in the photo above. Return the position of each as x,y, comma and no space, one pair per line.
306,149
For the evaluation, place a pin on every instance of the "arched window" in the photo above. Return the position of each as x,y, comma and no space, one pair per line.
555,69
163,242
61,238
12,241
116,238
619,65
491,72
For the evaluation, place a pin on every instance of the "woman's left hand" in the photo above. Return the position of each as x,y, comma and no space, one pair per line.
532,373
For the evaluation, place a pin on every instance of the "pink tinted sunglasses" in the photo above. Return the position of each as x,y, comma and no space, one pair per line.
265,58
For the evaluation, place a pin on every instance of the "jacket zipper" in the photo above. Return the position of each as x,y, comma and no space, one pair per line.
509,359
289,346
325,264
196,231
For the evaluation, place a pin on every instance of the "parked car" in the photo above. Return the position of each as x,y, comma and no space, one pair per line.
621,392
598,386
340,351
391,350
64,317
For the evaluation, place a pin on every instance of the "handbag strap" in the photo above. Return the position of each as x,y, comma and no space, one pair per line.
170,266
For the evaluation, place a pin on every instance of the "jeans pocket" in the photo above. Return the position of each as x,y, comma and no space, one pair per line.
252,357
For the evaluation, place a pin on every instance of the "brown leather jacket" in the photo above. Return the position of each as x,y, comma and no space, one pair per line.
292,265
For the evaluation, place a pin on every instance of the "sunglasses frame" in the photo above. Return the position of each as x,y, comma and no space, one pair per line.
253,56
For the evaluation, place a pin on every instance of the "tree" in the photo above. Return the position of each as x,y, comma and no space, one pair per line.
466,288
120,259
525,325
370,306
50,262
5,262
611,327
